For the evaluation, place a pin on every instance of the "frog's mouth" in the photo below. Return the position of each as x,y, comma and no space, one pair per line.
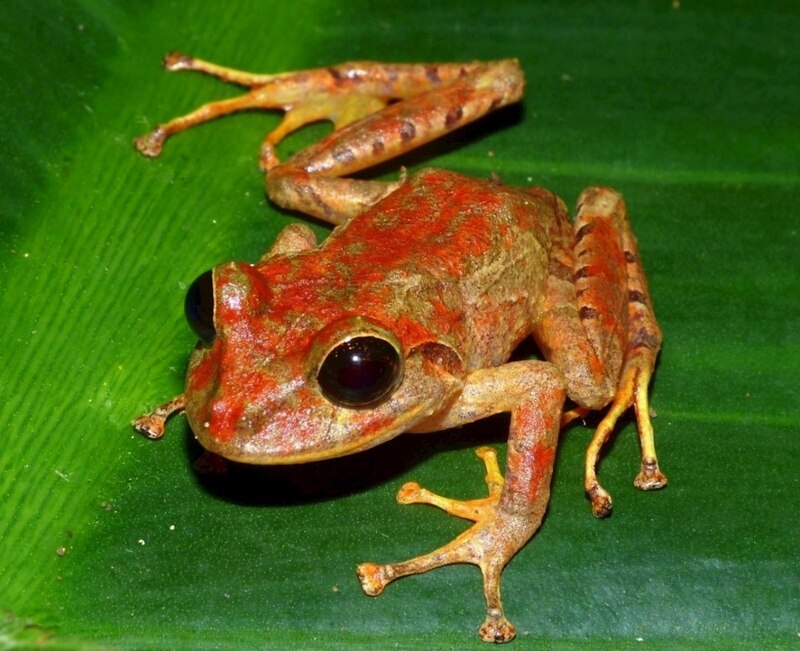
294,439
296,423
301,436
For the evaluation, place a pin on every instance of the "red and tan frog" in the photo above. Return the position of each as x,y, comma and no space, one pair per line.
405,317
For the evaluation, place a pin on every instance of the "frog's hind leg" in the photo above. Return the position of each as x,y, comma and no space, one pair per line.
311,180
633,391
643,338
378,111
598,328
342,93
306,97
175,61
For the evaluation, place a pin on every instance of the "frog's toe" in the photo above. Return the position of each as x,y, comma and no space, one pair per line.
650,478
151,144
600,500
177,61
412,493
374,578
496,628
150,425
475,510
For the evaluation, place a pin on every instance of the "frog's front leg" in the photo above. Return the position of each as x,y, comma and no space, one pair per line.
153,422
505,520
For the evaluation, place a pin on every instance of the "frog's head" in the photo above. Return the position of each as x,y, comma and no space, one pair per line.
271,385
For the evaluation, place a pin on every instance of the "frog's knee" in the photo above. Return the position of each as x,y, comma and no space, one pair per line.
281,187
589,393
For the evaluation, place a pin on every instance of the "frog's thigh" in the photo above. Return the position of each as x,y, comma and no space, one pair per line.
584,324
308,181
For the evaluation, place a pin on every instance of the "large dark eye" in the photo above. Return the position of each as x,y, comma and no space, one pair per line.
360,372
199,307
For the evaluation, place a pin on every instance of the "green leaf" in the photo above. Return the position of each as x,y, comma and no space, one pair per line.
110,540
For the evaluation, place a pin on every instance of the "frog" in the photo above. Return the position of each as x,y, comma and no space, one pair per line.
405,319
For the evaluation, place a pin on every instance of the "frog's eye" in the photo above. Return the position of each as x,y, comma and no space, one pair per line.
360,372
199,307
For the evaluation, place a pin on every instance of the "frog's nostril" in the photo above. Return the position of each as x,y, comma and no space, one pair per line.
199,307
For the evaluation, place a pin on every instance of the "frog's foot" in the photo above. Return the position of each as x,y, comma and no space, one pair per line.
341,110
475,510
632,392
489,543
152,423
306,96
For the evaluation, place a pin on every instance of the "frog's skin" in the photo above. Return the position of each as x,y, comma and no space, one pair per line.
446,275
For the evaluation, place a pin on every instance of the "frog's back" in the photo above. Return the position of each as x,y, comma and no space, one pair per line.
461,259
